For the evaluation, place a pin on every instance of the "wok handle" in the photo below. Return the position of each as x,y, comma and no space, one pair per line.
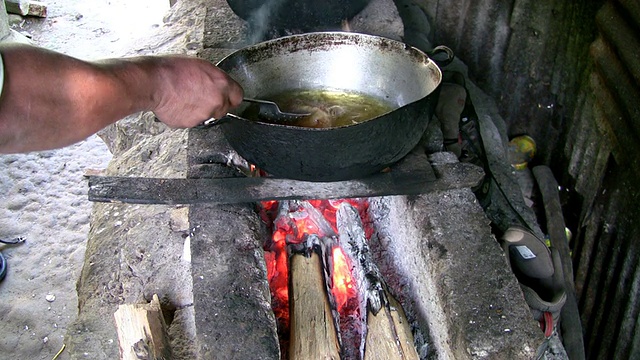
440,50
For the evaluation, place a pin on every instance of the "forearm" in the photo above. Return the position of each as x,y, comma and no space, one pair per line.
50,100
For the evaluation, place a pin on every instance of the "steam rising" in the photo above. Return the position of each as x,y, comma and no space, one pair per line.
259,20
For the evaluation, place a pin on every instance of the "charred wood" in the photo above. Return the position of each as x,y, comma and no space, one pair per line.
352,239
412,176
387,334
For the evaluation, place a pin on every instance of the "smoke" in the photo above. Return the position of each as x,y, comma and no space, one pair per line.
260,19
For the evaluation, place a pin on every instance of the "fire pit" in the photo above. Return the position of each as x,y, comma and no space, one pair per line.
432,245
325,285
434,251
317,247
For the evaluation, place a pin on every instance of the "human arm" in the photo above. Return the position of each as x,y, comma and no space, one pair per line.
50,100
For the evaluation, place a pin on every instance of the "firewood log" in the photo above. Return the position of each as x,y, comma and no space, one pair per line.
389,335
313,334
26,7
142,332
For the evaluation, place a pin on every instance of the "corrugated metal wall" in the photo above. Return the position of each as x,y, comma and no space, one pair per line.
607,250
567,73
530,55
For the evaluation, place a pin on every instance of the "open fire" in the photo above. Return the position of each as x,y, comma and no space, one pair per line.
326,240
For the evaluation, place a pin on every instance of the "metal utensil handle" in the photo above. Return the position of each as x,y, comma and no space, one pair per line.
439,50
213,121
257,101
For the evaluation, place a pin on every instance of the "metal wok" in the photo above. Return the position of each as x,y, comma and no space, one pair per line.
376,66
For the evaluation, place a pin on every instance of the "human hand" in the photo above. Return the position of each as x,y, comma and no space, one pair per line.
50,100
189,91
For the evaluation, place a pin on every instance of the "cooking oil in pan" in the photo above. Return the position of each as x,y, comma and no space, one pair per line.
327,108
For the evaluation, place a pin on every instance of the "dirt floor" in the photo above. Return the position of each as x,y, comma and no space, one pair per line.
44,194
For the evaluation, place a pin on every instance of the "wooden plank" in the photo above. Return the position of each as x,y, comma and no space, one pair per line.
26,7
570,323
142,333
243,189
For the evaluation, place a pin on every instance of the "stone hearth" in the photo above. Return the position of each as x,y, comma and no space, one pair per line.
206,263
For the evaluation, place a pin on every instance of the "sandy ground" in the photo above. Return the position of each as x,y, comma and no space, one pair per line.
44,194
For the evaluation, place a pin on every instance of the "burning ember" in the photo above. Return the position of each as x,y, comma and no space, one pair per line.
292,222
334,234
